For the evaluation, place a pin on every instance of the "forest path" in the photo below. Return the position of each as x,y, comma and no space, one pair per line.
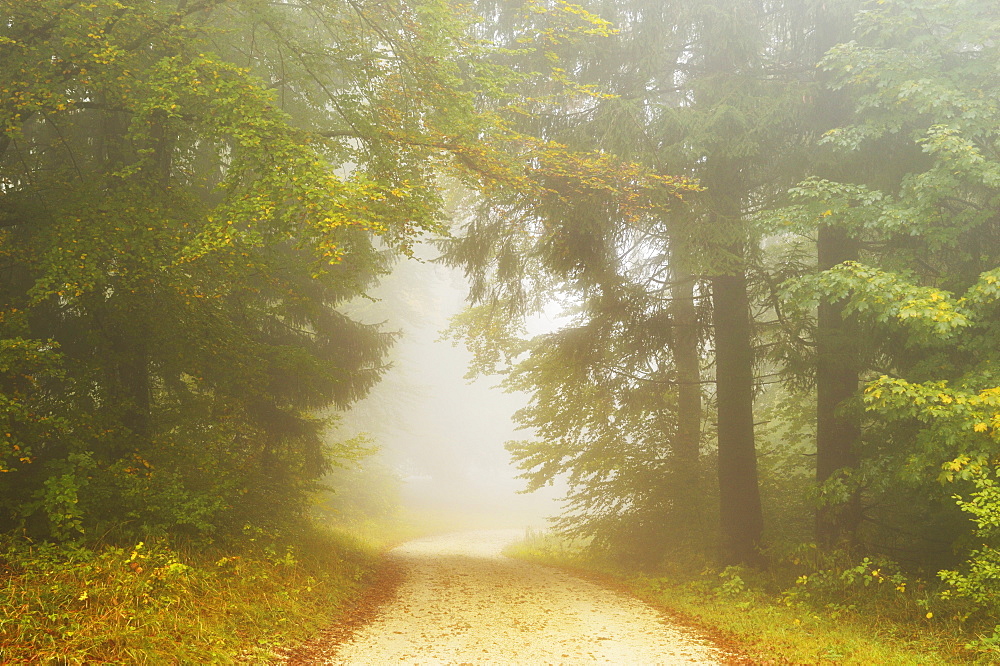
462,602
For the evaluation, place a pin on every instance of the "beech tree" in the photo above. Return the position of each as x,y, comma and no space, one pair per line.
188,190
921,73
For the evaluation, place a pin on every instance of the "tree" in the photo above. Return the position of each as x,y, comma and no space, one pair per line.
722,58
838,426
669,78
188,192
921,75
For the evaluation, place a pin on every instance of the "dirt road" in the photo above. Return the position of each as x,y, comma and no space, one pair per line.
463,603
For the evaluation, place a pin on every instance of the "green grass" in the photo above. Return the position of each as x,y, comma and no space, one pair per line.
153,604
745,611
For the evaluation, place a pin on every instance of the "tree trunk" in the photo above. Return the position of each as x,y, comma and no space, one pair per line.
837,362
687,366
688,510
837,431
739,495
136,386
731,35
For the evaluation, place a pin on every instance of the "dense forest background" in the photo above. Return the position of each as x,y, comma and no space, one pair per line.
773,230
807,335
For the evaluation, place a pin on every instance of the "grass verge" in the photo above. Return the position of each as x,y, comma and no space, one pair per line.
743,611
155,604
265,600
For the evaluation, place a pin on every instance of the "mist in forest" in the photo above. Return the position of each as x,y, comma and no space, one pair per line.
439,433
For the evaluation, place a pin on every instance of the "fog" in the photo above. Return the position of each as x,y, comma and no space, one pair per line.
441,434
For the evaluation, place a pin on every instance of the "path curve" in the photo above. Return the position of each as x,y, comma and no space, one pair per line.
462,602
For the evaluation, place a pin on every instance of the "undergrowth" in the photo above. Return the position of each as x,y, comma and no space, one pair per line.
807,608
155,603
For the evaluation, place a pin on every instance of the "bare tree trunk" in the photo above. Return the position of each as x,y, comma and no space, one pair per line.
687,365
688,511
726,56
741,516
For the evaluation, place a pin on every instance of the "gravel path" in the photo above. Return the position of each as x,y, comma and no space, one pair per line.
462,602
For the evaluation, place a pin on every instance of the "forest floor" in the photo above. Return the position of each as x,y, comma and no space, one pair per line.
455,599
